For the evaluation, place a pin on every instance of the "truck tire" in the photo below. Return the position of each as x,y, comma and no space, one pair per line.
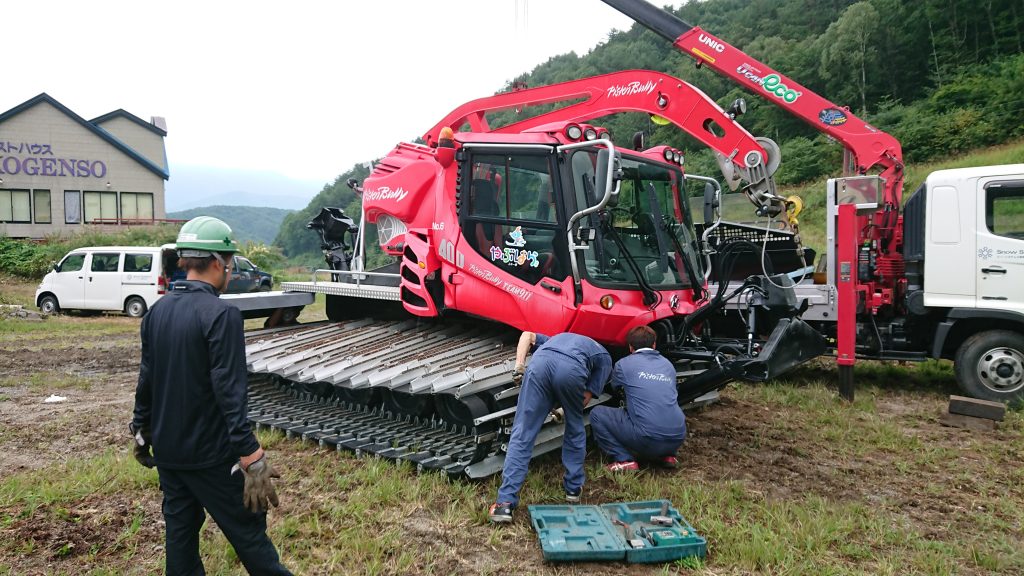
135,307
48,304
990,365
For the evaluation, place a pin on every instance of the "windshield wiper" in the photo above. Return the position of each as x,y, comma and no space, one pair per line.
652,201
649,295
696,285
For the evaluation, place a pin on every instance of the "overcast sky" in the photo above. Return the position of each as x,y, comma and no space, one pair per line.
305,89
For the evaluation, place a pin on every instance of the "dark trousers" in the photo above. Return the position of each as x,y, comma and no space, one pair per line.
186,494
617,436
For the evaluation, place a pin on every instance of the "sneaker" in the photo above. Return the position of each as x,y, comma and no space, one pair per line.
573,497
669,462
500,513
622,466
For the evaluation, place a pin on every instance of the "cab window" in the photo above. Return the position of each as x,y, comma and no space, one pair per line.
1004,211
511,216
73,263
102,262
244,265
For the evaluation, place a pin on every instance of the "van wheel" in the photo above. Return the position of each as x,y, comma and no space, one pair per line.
48,304
135,307
990,365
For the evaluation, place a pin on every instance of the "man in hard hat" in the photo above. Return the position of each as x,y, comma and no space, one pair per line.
652,425
566,369
191,409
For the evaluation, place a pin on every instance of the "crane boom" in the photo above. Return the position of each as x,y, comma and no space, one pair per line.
871,149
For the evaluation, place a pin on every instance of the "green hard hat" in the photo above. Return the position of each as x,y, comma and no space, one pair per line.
203,235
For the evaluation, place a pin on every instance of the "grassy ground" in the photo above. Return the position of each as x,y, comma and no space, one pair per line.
780,478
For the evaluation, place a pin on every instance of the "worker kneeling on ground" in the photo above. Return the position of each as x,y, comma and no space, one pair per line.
191,410
652,425
566,369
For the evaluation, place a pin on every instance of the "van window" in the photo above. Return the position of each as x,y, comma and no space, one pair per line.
72,263
138,262
105,262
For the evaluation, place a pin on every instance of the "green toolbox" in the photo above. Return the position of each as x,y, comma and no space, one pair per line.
637,532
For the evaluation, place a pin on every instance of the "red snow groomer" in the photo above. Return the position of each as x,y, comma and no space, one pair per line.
538,224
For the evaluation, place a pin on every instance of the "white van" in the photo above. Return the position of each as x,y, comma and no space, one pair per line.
120,278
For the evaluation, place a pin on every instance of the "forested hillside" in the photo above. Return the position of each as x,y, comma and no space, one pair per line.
942,76
258,224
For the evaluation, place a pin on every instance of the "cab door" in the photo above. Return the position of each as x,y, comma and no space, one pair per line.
103,282
68,280
241,276
1000,256
512,253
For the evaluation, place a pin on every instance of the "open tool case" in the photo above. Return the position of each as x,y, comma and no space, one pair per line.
637,532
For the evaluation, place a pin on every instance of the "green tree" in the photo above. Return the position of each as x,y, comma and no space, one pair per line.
848,49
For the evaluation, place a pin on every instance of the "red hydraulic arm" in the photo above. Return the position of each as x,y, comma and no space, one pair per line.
628,91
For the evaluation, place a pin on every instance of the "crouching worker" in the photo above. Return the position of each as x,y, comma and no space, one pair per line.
566,369
191,411
652,425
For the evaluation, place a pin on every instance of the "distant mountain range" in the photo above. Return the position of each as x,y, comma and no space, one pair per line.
255,223
194,186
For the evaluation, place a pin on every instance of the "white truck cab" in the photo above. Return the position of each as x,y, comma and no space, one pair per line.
111,278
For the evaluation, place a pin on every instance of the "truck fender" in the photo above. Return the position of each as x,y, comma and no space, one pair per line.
943,330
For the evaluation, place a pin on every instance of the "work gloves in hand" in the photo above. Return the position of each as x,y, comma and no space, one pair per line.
517,374
142,446
259,491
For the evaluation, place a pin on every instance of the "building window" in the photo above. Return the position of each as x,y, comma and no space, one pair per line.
15,206
136,206
72,207
100,206
42,206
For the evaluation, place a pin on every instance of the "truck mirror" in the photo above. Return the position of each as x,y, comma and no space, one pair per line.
738,108
639,140
604,186
711,202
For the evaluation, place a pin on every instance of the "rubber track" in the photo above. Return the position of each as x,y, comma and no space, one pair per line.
429,444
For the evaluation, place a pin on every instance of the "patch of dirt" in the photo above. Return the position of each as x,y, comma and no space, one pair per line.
94,414
98,528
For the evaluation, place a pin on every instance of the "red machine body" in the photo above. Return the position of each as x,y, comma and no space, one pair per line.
418,194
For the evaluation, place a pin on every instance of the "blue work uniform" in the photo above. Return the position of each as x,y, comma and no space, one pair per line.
192,395
652,424
562,368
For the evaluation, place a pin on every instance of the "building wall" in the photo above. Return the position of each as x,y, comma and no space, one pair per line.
42,148
137,138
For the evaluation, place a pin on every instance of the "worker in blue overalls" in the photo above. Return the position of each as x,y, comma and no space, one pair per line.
652,425
566,369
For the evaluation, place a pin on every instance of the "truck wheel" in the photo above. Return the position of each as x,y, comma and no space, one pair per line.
990,366
48,304
265,287
135,307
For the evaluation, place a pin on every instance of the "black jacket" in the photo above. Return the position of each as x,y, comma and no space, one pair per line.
192,390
